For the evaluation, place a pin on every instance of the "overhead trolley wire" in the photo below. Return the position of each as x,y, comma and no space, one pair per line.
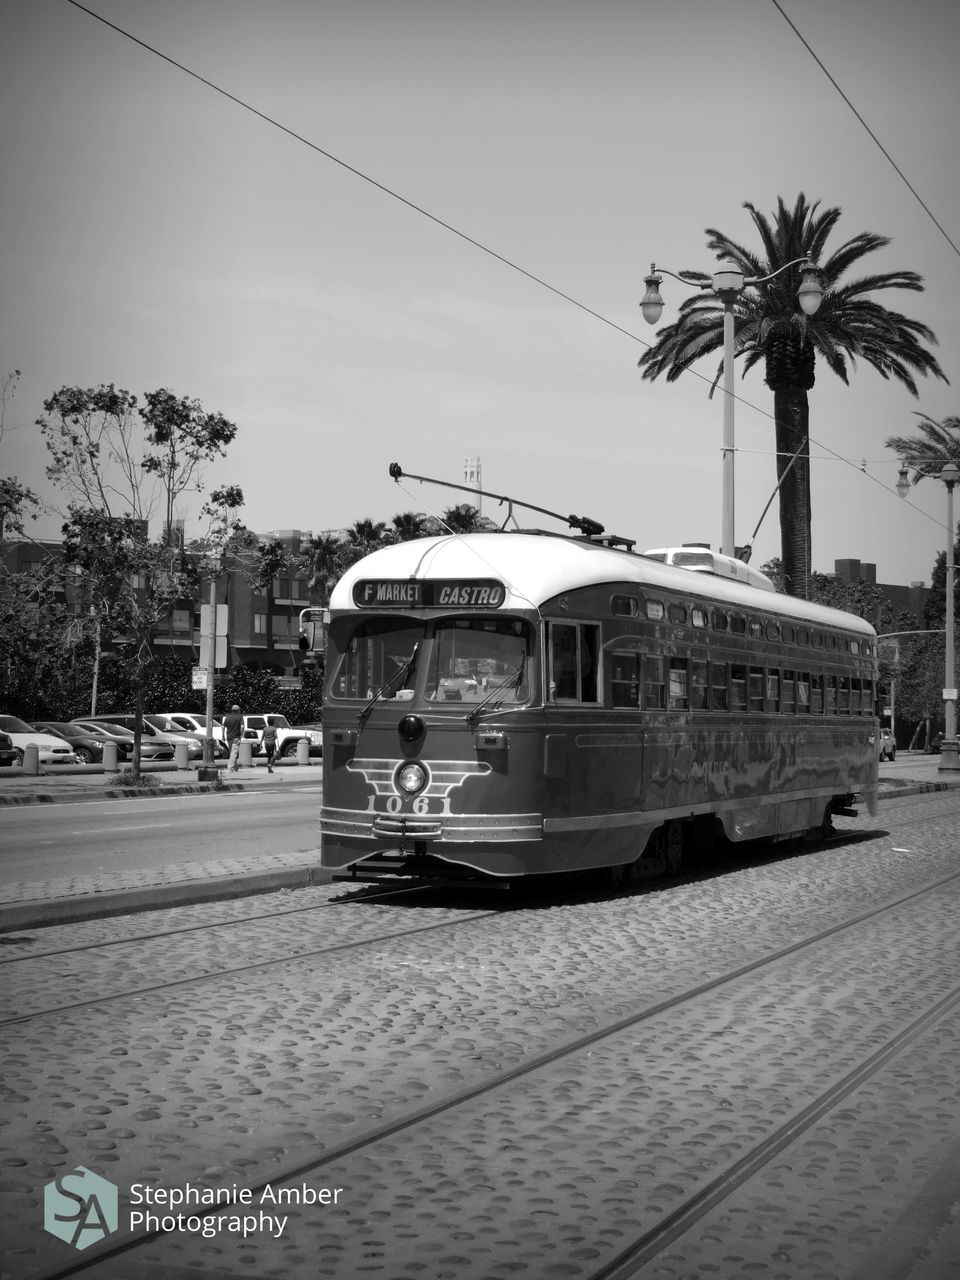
906,181
477,244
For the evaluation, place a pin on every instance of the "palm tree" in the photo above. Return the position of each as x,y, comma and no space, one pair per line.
362,537
409,525
769,325
322,560
928,453
464,518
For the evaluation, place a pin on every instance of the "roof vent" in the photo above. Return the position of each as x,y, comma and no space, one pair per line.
703,561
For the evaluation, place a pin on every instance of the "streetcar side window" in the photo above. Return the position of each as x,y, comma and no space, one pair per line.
803,692
756,689
699,688
738,687
773,691
625,679
678,696
718,686
830,695
816,695
856,696
788,701
843,706
654,685
574,649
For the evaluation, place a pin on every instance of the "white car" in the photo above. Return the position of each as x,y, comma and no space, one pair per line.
191,723
51,750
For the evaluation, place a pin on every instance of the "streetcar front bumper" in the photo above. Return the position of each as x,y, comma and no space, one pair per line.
451,828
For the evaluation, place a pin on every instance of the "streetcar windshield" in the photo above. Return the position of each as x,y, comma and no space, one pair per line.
380,660
450,660
471,658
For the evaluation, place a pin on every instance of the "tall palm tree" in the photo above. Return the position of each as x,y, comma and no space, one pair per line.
322,560
769,325
464,518
928,453
409,525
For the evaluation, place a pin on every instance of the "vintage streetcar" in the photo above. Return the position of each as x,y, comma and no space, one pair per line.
507,705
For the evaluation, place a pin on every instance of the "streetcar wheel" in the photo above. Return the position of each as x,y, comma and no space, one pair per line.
673,849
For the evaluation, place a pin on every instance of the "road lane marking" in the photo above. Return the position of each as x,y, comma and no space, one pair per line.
140,826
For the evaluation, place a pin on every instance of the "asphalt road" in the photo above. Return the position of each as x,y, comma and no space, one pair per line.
49,842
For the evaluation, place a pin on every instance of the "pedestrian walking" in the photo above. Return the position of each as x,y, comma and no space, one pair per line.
233,729
269,741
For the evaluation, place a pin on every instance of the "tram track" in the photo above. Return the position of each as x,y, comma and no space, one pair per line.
206,926
236,970
365,897
628,1260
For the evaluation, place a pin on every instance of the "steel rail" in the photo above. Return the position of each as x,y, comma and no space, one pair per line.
695,1207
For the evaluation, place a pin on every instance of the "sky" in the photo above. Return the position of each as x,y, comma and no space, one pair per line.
154,233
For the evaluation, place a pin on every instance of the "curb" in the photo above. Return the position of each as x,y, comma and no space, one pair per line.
136,793
184,893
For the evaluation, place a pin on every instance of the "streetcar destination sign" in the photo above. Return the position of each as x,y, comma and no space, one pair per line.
428,593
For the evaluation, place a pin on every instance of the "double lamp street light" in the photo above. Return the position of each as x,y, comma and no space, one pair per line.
728,282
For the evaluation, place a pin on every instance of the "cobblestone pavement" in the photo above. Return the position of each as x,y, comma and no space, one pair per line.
243,1075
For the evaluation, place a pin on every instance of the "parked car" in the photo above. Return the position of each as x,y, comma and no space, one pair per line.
8,752
51,750
287,735
150,730
172,725
149,748
886,745
187,721
86,745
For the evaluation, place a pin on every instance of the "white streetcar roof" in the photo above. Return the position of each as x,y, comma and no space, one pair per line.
536,567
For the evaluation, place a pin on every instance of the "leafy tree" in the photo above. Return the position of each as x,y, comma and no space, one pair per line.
182,437
113,469
769,325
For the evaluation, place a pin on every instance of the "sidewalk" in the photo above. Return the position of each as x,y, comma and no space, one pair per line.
37,904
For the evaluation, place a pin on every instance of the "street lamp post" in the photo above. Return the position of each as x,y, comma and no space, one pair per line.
728,283
949,758
949,754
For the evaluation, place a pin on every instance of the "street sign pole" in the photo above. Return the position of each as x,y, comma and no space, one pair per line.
211,658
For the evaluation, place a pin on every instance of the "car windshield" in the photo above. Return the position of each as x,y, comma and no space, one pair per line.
112,730
10,724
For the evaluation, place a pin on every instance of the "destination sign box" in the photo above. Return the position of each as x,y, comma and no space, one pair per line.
429,593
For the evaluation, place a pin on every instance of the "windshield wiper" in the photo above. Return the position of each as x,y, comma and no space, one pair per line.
514,677
399,675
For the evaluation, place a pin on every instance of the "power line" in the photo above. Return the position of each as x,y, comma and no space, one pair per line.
889,157
477,244
358,173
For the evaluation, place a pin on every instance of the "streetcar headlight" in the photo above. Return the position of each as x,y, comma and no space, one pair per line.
412,778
